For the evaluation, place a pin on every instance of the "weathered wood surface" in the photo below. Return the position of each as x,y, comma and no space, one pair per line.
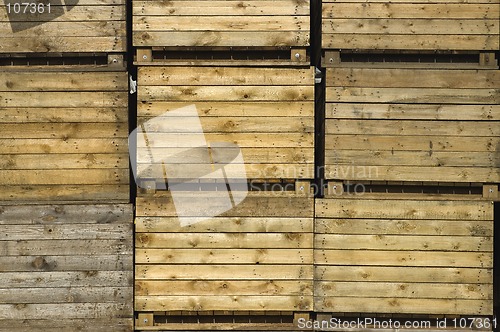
180,23
88,26
267,112
397,256
66,267
402,25
412,125
257,256
63,135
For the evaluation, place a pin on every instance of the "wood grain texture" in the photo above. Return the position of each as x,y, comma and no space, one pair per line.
403,256
398,25
66,263
266,111
429,125
64,135
284,23
257,256
90,26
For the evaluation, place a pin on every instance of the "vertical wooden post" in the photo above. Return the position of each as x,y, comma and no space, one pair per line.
298,55
335,188
490,191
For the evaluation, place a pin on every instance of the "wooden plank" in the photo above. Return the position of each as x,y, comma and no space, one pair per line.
224,240
57,44
443,228
198,303
251,171
222,23
412,95
53,115
100,262
400,243
63,130
408,173
404,290
405,10
243,140
63,99
404,305
412,78
411,42
149,109
64,247
404,258
412,158
413,112
63,81
395,142
222,93
71,310
71,231
222,8
65,176
218,272
223,256
241,76
255,206
63,161
408,274
63,145
437,27
66,295
234,125
68,193
90,278
395,209
224,287
225,224
96,325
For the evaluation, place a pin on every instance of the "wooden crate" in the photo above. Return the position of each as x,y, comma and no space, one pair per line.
78,26
425,125
267,112
66,267
255,257
63,135
402,25
403,256
226,23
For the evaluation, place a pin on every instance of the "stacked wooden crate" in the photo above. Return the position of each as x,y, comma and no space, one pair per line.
412,111
243,67
66,225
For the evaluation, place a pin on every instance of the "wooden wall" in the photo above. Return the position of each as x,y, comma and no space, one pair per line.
258,24
406,25
418,256
429,125
66,267
255,257
84,26
267,111
63,134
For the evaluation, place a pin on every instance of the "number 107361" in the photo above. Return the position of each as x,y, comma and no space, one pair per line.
28,8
